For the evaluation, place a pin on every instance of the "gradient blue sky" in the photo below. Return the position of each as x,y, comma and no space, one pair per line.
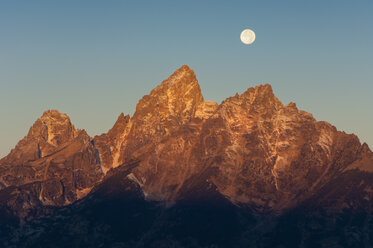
96,59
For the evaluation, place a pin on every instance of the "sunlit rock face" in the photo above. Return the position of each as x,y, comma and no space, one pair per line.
160,114
55,164
163,130
251,150
270,156
185,172
49,132
109,144
257,152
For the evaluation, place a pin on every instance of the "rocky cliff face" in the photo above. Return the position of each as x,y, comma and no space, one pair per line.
55,164
251,149
49,132
109,144
256,151
163,130
249,172
270,156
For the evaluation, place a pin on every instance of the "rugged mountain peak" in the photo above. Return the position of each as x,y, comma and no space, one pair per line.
52,130
122,118
365,148
292,105
55,164
183,74
259,90
109,145
175,99
261,96
119,125
54,127
55,114
168,107
250,151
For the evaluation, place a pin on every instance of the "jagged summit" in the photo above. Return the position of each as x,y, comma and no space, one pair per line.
250,153
183,74
119,125
109,145
251,148
121,118
262,96
177,96
183,78
292,105
53,113
55,164
51,130
264,91
54,127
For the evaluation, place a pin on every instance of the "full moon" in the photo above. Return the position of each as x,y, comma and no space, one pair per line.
247,36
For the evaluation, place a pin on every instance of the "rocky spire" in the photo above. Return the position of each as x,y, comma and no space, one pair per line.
109,144
174,100
119,126
261,96
168,107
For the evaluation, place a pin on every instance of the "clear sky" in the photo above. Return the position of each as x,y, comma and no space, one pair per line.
96,59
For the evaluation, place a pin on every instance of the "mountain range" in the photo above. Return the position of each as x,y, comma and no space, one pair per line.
186,172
